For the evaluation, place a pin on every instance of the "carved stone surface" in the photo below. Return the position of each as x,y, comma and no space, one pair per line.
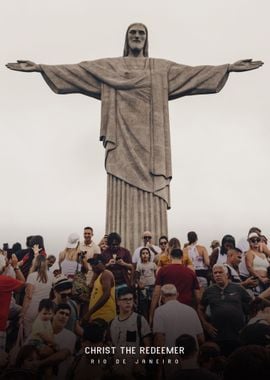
134,91
135,129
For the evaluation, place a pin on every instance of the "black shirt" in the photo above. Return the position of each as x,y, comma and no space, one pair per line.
228,307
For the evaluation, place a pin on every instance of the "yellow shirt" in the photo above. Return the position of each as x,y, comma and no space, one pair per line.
108,310
166,259
186,259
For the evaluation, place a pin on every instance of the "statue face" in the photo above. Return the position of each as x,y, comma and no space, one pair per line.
136,37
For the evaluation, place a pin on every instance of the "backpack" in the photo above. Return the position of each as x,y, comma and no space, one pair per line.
139,329
80,289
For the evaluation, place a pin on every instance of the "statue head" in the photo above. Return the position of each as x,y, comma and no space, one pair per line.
136,39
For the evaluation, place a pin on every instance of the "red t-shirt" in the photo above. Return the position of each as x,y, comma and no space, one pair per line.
7,286
183,278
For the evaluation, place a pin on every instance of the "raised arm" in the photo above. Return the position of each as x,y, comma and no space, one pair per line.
244,65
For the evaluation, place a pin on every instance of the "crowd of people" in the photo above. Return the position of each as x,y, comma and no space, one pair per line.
94,307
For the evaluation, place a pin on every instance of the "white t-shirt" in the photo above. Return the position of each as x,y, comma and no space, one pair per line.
65,339
174,319
40,290
243,267
147,273
9,271
221,258
69,267
243,244
91,250
125,333
136,255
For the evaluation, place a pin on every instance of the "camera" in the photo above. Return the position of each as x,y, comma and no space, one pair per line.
81,255
9,251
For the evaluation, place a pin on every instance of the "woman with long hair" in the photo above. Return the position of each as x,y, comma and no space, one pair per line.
199,256
38,286
103,244
165,259
219,254
257,263
71,259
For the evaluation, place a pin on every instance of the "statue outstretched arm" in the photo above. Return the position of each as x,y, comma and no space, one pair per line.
244,65
193,80
62,79
23,65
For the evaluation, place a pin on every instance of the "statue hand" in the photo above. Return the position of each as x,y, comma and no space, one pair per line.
245,65
26,66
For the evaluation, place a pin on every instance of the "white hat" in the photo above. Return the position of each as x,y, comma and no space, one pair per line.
253,234
61,283
73,240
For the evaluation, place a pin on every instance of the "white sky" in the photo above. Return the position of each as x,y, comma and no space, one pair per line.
51,160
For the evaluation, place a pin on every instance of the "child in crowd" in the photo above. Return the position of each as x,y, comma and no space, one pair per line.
145,277
42,332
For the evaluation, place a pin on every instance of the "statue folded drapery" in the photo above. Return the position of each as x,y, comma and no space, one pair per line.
134,91
135,130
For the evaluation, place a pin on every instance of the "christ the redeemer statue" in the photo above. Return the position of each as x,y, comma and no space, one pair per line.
134,91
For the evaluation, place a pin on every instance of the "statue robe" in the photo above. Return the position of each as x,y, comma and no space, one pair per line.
135,130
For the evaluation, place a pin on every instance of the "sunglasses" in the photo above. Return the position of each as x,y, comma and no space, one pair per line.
147,237
163,243
255,240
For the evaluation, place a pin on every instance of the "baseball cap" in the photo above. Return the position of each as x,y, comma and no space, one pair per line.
73,240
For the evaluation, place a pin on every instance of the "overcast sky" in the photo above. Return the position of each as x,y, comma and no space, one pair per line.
53,180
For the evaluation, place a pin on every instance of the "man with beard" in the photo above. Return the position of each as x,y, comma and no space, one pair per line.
90,250
118,260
